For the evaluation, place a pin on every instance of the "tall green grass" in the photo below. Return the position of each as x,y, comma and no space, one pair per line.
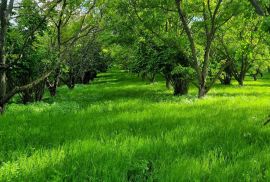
122,129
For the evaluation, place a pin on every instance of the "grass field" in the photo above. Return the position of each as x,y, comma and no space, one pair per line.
123,129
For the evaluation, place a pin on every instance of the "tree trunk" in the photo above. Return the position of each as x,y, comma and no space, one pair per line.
89,76
181,87
71,82
52,90
27,96
53,87
152,77
3,31
227,76
240,81
241,78
39,91
168,84
180,84
1,108
3,83
202,91
227,80
258,7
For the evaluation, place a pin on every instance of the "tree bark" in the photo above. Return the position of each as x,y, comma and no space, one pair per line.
3,31
202,91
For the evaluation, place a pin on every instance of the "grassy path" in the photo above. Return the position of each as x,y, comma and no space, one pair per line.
120,128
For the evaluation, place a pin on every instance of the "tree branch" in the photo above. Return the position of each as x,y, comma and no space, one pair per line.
258,8
18,89
190,38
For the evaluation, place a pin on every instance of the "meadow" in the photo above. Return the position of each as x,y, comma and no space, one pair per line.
121,128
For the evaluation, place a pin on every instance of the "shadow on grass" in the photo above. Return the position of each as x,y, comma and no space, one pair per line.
78,126
165,143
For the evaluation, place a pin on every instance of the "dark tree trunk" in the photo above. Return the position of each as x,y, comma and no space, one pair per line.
241,78
143,76
202,91
240,81
202,87
254,77
152,78
167,74
227,76
181,88
1,108
27,96
33,94
52,90
3,31
39,91
71,82
53,86
89,76
168,83
227,80
180,84
3,83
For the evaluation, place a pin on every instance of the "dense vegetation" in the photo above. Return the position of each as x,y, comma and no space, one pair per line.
134,90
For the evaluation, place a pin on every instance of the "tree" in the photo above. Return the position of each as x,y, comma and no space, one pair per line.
83,62
243,45
210,16
71,22
26,58
154,49
5,15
